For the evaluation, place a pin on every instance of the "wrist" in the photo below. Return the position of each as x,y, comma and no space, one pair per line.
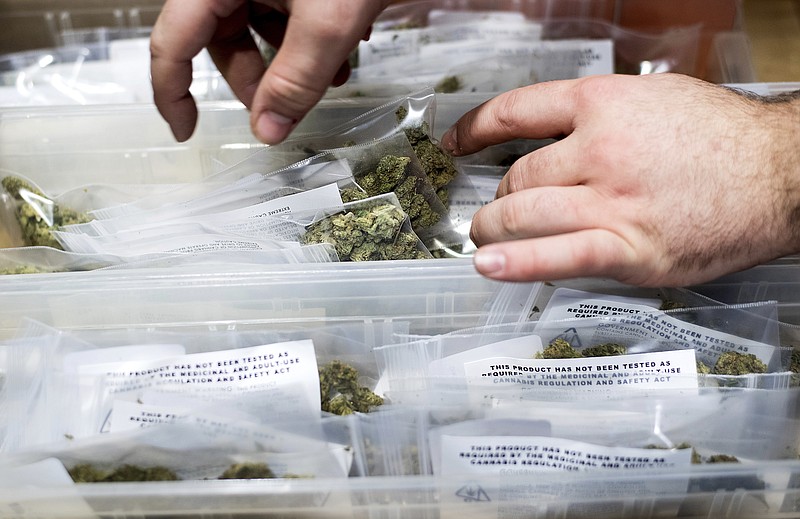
783,164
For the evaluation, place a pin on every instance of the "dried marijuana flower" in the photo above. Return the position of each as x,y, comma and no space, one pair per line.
561,349
352,194
722,458
367,233
702,368
392,175
248,471
23,269
558,349
794,363
448,85
608,349
696,458
87,473
735,363
438,165
37,221
669,304
340,391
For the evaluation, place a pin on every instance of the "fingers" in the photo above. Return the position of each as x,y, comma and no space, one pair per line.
319,36
537,212
182,30
588,253
236,54
553,165
539,111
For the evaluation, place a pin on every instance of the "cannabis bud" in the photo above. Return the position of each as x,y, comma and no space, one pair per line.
669,304
392,175
448,85
371,232
248,471
561,349
37,215
794,364
558,349
696,459
340,391
722,458
438,165
22,269
88,473
608,349
702,368
735,363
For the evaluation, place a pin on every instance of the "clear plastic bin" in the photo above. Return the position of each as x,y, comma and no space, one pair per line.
762,490
433,295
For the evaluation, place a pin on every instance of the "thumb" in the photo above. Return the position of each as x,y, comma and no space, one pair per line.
320,34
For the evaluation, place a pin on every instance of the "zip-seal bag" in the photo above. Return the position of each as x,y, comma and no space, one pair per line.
48,473
413,115
183,238
390,443
240,260
588,459
322,369
371,229
375,228
253,189
344,354
234,222
484,361
36,260
78,382
490,66
181,451
264,431
20,382
390,165
391,46
37,214
284,374
10,231
742,330
33,411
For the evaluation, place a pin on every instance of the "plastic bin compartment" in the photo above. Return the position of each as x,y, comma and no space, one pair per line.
432,295
764,490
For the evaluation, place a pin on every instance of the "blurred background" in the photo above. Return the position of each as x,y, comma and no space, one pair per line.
741,40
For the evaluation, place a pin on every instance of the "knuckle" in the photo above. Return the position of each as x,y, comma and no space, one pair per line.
506,111
512,217
592,88
293,94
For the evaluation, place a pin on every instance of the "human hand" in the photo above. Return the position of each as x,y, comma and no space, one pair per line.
313,37
661,180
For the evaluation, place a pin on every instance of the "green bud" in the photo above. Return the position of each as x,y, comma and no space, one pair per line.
248,471
608,349
735,363
340,391
372,232
38,221
558,349
448,85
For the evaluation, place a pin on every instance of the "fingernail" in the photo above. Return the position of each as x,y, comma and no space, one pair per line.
272,128
450,141
489,262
